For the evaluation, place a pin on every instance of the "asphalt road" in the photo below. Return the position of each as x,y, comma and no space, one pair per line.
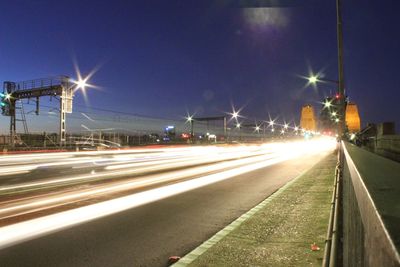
148,234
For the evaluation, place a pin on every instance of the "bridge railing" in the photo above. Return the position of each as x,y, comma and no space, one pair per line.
371,209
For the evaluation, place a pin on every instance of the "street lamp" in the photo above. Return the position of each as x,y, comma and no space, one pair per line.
271,123
340,81
189,119
327,104
313,79
81,84
238,125
235,115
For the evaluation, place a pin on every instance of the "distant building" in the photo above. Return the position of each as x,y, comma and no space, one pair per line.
352,118
307,120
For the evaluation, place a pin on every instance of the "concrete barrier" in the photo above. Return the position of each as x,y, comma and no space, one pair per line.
371,193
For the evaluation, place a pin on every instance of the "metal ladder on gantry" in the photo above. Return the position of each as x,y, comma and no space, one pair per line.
60,87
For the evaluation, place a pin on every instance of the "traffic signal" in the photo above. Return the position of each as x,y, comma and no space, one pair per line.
5,103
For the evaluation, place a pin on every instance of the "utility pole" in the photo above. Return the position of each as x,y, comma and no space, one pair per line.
341,91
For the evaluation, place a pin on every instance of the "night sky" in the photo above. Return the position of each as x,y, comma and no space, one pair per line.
165,58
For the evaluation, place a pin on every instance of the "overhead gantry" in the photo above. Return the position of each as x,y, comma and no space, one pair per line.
60,87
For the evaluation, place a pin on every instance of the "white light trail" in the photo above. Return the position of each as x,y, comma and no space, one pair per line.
116,187
113,169
33,228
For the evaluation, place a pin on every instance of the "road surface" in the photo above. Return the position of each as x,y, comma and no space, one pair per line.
135,207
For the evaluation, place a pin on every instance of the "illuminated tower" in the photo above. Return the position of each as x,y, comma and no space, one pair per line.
352,118
307,120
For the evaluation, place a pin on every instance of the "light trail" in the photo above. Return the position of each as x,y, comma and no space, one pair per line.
117,187
223,163
137,167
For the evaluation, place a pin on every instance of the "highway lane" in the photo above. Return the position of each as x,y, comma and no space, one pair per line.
119,171
147,234
24,172
49,181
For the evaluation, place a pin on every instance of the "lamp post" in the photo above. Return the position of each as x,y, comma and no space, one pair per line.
190,120
340,82
313,79
238,125
341,92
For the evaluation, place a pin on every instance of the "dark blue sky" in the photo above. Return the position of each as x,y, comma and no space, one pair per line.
161,59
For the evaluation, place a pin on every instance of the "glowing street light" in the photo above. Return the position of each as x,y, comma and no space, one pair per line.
285,126
235,113
238,125
81,84
189,118
313,79
334,114
296,128
327,104
271,123
282,131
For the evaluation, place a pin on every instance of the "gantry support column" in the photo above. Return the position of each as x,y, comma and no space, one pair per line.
62,119
13,128
66,97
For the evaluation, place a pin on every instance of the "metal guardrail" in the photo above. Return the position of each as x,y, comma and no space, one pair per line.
332,236
368,228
